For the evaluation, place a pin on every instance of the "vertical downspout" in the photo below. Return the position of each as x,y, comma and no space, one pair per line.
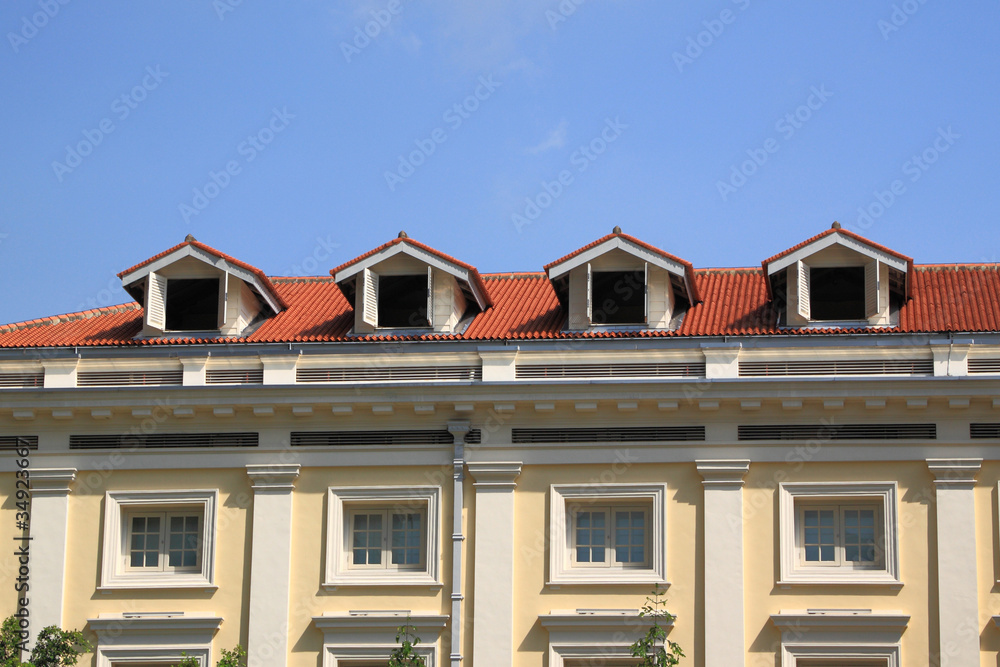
458,429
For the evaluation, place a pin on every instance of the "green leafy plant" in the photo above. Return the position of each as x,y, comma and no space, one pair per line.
654,649
404,655
237,657
53,647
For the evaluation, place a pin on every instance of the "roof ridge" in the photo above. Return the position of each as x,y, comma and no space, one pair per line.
69,317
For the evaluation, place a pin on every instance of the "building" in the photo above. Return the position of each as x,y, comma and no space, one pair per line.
802,453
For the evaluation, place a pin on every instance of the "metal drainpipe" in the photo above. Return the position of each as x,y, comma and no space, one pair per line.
458,429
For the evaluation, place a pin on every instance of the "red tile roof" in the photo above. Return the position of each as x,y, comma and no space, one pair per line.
473,272
946,298
212,251
688,267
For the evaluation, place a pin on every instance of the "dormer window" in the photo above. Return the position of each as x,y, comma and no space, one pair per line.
407,285
837,293
195,288
192,304
837,279
618,297
619,281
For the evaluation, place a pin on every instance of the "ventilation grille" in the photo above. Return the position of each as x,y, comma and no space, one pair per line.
9,443
623,434
673,370
21,380
228,376
388,374
837,367
128,378
474,437
163,440
980,366
352,438
979,431
824,432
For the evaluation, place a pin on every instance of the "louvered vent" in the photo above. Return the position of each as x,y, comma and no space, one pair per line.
163,440
21,380
474,437
837,367
386,374
980,431
352,438
984,365
612,434
128,378
673,369
823,432
9,443
230,376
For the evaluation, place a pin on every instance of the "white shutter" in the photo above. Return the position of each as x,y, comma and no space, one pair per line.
223,298
156,302
590,295
430,296
645,290
369,297
873,293
803,270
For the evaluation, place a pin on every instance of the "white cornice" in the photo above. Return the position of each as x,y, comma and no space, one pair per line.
954,472
51,481
273,477
723,473
835,239
499,475
116,625
840,620
618,243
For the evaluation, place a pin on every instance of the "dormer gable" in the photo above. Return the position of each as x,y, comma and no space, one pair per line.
838,278
405,284
620,281
195,288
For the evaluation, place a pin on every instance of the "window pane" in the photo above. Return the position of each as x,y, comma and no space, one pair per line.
630,536
144,543
406,539
818,535
859,535
183,541
590,536
367,539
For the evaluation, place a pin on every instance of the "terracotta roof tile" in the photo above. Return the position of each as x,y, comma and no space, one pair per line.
949,298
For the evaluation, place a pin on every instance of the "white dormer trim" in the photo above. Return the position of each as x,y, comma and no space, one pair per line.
618,243
459,273
836,238
223,265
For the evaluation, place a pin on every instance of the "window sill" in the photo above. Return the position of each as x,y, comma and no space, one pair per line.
641,578
393,579
846,579
132,584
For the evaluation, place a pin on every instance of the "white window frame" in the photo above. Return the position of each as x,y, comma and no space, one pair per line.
342,501
163,638
165,515
566,498
793,496
386,513
120,505
609,547
370,637
799,655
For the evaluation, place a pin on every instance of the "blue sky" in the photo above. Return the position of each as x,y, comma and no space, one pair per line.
506,133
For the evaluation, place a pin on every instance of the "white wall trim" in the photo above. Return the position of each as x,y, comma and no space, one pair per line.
154,637
339,500
846,634
372,635
564,496
116,503
48,530
881,493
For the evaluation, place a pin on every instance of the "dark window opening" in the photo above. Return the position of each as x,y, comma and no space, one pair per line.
402,301
193,304
837,293
619,297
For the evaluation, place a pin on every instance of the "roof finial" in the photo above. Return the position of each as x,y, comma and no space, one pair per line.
835,225
189,238
403,235
616,230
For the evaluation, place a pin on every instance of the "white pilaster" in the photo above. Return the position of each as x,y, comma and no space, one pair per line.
721,360
279,368
271,562
47,546
194,371
958,595
499,363
60,372
493,604
723,529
